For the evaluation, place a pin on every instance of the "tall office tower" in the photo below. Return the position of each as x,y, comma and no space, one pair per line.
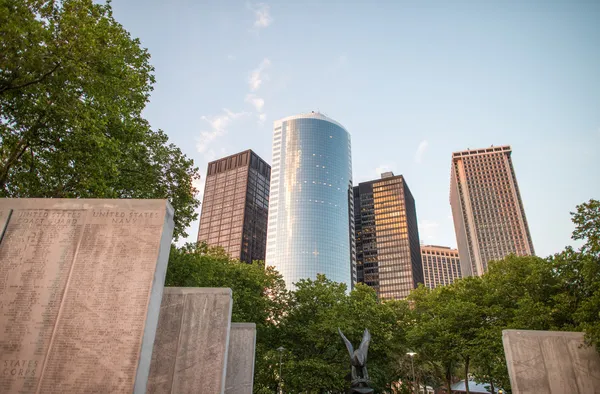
310,230
387,237
235,205
489,218
441,265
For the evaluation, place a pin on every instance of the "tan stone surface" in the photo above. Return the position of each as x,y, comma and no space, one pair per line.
240,361
190,351
78,282
551,362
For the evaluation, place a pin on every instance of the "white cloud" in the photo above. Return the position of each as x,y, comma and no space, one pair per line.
259,75
256,101
231,57
428,230
218,127
262,117
421,151
262,15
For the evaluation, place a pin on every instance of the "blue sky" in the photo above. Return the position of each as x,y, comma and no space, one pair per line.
412,81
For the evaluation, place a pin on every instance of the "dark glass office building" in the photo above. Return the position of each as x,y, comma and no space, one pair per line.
235,205
388,250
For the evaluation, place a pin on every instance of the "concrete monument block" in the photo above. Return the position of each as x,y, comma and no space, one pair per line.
80,288
190,350
240,361
553,362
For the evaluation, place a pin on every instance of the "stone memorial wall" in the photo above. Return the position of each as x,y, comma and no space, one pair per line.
190,350
80,288
553,362
240,361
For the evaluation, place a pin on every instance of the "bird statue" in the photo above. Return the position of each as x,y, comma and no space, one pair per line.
358,361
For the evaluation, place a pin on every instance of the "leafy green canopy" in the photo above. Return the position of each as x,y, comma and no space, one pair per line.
259,295
73,84
461,325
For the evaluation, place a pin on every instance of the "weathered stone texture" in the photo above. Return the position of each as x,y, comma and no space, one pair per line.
190,351
553,362
80,288
240,362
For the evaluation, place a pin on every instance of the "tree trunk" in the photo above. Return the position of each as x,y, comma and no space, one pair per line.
492,386
449,379
467,359
449,385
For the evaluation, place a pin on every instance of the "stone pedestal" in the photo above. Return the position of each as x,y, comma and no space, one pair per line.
551,362
190,351
240,361
80,287
360,390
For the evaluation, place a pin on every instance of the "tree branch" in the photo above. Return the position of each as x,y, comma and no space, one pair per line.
18,151
14,157
40,79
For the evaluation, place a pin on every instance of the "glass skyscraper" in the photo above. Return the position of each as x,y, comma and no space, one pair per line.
309,227
387,237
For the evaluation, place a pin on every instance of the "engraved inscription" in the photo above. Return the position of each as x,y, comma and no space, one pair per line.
99,332
36,252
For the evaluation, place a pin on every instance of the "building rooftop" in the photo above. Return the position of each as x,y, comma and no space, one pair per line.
475,388
437,246
311,115
483,151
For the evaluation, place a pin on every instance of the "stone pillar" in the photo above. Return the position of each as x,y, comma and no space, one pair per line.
240,362
192,339
81,283
553,362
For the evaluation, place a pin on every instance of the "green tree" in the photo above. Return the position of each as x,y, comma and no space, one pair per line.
316,359
315,356
387,323
578,273
259,296
587,226
431,334
73,84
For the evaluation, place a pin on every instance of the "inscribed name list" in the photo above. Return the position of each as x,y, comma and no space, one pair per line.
74,293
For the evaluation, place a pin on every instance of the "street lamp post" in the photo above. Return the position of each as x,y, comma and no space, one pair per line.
280,349
412,364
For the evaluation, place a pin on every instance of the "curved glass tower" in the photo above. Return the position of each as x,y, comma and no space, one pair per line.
311,201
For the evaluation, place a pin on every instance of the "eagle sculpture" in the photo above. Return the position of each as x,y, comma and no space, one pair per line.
358,359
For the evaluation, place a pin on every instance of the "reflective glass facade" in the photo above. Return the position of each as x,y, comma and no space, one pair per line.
387,237
310,230
235,206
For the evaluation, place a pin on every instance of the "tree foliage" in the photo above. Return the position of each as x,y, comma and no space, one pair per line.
73,84
462,324
455,330
259,294
316,359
